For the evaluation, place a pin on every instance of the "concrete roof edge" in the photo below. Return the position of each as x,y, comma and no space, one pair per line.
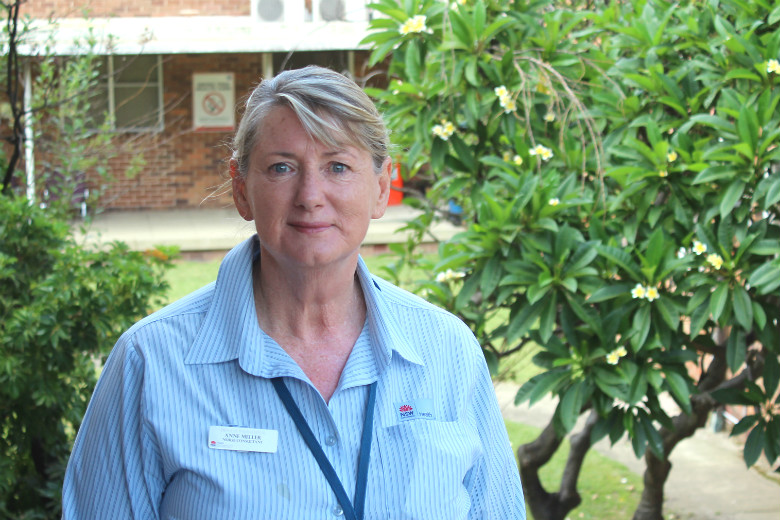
189,35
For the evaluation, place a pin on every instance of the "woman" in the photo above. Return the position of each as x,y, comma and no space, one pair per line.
298,385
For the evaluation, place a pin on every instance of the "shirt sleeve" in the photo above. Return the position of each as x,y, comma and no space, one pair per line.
494,483
114,469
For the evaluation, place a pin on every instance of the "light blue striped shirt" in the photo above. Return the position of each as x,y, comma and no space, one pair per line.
440,449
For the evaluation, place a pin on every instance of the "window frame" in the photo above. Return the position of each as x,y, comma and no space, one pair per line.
111,85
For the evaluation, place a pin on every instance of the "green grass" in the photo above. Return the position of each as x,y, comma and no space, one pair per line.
187,276
608,489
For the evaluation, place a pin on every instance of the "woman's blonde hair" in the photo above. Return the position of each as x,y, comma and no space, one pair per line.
331,107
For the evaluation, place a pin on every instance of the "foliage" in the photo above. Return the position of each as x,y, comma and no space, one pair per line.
63,305
62,309
73,141
617,168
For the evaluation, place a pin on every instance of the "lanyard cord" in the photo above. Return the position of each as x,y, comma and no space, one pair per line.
350,512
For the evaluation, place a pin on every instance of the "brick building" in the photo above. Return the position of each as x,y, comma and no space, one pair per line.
175,71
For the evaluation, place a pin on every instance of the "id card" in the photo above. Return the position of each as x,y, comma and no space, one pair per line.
243,439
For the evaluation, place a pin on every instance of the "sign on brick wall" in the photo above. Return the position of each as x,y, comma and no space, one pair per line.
213,98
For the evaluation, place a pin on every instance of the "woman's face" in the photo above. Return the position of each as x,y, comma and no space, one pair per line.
311,203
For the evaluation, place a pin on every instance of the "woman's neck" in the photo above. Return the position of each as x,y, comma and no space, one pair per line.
316,316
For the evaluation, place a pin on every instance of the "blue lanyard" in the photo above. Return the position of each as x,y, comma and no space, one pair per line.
350,512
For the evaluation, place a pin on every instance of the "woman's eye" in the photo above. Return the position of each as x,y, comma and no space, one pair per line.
280,168
338,167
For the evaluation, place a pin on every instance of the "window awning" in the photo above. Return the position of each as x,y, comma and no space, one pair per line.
191,35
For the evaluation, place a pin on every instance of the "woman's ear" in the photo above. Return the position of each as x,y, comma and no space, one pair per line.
383,194
238,184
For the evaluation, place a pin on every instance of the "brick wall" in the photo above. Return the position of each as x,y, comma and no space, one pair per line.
124,8
182,167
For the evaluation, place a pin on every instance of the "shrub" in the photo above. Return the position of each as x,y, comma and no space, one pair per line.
617,168
63,306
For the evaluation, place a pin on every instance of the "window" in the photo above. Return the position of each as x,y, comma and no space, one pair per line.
131,93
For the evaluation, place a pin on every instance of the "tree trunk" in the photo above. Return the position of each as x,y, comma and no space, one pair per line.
16,138
657,471
532,456
651,503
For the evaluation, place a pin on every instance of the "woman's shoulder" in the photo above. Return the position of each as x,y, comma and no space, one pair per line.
408,307
181,315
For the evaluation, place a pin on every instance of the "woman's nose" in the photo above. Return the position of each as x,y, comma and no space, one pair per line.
310,189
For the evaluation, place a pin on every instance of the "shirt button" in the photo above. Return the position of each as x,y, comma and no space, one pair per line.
330,440
337,511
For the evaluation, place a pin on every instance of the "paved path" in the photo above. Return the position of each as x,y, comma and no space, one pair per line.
708,481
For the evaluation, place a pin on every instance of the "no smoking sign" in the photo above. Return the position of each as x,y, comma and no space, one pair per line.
213,100
214,104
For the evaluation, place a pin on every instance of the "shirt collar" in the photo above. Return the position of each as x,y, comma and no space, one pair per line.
385,331
230,330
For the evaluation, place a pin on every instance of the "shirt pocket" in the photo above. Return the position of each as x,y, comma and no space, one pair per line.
424,464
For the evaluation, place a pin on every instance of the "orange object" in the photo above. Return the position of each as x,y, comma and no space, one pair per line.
396,183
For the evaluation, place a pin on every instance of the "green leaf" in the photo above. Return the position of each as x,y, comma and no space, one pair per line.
759,316
565,239
730,197
638,387
464,153
479,17
774,16
463,299
766,278
640,327
547,382
583,256
655,248
772,193
741,396
496,26
621,258
638,436
610,291
715,122
745,424
607,376
537,291
412,61
743,310
668,312
766,247
747,126
571,405
461,29
714,173
754,445
735,350
654,439
741,74
547,319
771,374
491,274
678,387
522,321
718,300
391,10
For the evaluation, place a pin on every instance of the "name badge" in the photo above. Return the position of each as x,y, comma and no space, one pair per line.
243,439
415,409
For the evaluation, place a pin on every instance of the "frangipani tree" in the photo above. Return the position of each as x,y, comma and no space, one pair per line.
616,166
